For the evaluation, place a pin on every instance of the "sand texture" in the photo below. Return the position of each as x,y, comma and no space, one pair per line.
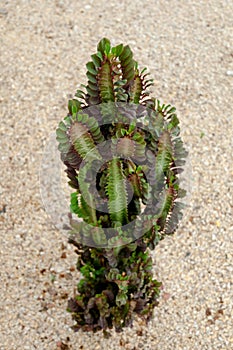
188,48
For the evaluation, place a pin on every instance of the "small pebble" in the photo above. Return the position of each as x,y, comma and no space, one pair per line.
229,73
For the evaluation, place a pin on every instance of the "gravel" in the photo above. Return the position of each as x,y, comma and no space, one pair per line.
188,48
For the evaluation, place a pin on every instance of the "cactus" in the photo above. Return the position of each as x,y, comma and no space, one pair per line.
123,155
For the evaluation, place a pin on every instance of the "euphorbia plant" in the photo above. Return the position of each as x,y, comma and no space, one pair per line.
123,155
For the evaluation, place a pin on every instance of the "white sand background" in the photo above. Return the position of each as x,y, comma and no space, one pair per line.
188,48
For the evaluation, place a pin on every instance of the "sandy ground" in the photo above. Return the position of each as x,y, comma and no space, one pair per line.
188,48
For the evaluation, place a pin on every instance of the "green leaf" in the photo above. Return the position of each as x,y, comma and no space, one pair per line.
92,93
79,94
126,52
74,206
107,48
62,126
117,50
171,110
96,60
76,103
99,54
91,77
61,133
174,121
91,68
127,63
101,47
144,69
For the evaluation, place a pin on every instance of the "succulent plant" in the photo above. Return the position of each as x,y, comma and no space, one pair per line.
123,153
